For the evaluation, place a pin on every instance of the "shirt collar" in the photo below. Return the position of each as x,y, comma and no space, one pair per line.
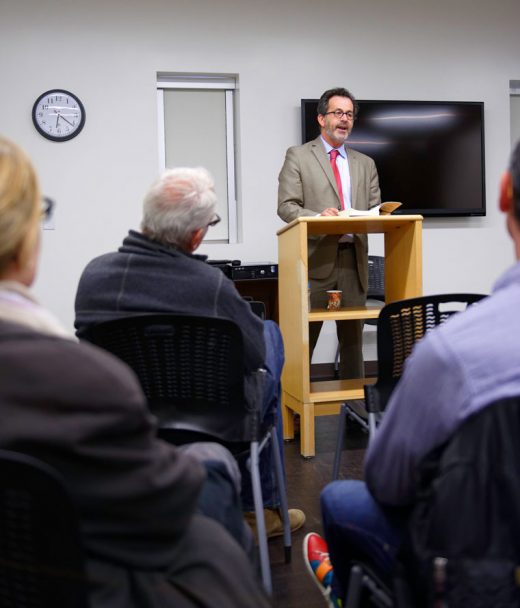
328,148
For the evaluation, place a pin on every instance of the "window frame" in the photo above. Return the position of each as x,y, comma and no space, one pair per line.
228,83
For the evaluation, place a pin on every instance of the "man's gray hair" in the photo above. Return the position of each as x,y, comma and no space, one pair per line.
180,202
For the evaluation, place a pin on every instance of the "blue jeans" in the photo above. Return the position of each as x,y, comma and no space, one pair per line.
274,360
358,528
219,497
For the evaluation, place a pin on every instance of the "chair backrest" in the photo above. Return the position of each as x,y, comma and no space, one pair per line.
41,556
464,531
258,308
376,283
376,277
191,370
400,325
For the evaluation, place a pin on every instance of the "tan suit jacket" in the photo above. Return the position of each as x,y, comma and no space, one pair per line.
307,187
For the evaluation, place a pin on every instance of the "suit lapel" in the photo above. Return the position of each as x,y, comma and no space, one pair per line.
354,174
323,159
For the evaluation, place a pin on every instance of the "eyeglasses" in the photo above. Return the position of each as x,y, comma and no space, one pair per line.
215,221
339,114
47,208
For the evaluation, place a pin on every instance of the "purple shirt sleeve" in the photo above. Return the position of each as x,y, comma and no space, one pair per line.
424,410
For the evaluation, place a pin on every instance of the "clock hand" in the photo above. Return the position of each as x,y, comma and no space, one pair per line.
57,119
63,117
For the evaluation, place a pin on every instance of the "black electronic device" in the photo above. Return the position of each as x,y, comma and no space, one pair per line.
261,270
235,270
223,262
224,265
429,154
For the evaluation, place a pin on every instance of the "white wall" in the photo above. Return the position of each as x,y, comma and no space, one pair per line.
108,52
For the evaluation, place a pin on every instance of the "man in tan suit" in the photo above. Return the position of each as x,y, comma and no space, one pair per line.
308,187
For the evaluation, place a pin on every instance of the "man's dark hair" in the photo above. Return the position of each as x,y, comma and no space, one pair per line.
514,170
323,103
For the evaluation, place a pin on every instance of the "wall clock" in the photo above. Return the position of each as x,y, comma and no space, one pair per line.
58,115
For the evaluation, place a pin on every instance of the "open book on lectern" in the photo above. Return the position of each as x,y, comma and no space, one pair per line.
382,209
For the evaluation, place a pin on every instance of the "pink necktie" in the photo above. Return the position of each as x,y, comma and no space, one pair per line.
335,170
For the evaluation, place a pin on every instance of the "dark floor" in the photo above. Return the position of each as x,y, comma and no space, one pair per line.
292,585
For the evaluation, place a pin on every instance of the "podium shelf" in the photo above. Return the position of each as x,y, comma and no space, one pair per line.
338,390
345,313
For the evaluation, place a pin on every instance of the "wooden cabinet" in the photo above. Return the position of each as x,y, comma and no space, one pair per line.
403,279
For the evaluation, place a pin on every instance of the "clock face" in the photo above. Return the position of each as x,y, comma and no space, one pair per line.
58,115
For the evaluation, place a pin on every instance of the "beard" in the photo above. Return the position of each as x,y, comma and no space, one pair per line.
338,136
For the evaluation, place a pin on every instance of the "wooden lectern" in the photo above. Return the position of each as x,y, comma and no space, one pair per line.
403,279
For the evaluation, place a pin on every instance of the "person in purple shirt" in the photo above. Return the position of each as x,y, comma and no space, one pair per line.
455,371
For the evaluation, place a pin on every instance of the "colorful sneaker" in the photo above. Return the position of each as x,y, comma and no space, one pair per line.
316,558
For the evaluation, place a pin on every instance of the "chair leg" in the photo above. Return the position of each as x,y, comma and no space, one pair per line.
355,583
360,579
357,418
265,567
372,426
336,362
339,440
282,495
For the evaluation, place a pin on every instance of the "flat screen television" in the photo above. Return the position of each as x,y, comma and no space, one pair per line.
429,154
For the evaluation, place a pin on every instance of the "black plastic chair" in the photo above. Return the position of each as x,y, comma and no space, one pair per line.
41,555
462,544
256,306
376,281
400,325
192,372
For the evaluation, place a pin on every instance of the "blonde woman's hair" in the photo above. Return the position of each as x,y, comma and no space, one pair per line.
20,208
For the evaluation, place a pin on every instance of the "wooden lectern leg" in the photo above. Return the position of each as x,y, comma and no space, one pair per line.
307,446
287,419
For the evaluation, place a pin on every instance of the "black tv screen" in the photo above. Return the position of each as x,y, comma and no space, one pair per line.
429,154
